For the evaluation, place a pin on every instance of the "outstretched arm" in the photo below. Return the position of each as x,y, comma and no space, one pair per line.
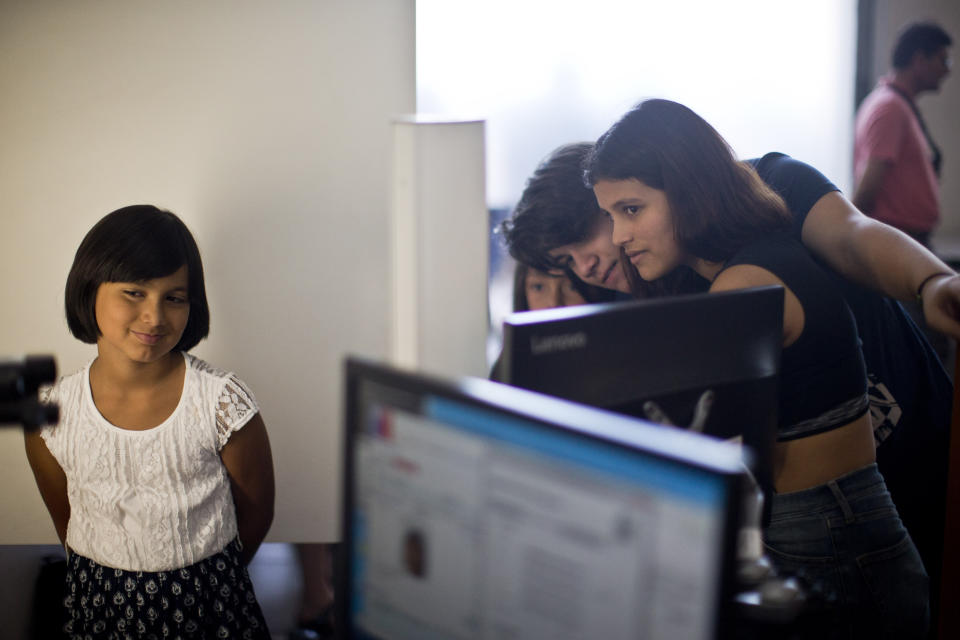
51,481
248,460
878,256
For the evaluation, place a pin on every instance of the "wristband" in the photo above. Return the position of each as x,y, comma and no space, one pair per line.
930,277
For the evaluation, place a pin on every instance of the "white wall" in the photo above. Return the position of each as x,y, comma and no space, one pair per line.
939,109
265,126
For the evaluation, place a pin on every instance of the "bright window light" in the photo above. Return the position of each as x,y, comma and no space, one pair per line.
770,76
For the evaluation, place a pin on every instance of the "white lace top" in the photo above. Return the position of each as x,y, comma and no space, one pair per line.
150,500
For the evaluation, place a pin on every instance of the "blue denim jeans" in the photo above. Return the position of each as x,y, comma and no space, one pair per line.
845,540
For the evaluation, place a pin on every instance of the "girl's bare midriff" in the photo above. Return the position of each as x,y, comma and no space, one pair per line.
814,460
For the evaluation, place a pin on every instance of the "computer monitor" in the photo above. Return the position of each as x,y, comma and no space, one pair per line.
475,510
670,351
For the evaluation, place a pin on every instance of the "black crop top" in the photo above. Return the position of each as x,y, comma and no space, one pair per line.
823,380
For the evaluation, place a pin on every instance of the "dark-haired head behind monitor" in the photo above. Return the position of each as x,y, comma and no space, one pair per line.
557,225
534,289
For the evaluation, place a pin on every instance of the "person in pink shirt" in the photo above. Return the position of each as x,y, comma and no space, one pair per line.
896,162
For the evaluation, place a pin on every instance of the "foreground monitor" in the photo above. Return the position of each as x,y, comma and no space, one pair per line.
475,510
664,351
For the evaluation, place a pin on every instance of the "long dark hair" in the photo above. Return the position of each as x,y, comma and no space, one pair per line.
555,209
718,204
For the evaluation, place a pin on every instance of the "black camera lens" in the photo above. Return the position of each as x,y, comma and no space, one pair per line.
19,384
21,379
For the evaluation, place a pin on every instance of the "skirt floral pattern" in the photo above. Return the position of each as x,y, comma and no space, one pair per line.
212,598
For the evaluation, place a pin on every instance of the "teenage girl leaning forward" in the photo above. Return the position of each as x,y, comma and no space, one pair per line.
678,199
159,477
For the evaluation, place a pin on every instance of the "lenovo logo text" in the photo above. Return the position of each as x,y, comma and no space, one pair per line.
561,342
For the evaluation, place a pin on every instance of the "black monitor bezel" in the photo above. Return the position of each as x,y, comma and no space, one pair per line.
619,370
753,314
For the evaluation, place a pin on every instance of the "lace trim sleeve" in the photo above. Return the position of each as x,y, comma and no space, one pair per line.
235,406
46,395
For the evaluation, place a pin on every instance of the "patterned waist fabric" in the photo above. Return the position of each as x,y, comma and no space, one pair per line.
212,598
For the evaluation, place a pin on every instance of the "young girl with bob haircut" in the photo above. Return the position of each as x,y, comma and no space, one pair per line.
678,198
159,477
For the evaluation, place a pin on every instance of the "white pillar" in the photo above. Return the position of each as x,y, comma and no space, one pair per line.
439,239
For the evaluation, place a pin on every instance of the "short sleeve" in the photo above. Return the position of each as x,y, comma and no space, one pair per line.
799,184
50,394
235,406
882,135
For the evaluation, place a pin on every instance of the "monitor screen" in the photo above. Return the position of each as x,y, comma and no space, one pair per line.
475,510
666,351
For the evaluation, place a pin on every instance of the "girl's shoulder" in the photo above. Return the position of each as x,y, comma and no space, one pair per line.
233,401
70,394
219,384
208,373
66,385
202,367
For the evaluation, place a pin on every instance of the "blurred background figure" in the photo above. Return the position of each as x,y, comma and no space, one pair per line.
896,160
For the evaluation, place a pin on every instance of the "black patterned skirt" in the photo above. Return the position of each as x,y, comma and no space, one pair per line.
212,598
